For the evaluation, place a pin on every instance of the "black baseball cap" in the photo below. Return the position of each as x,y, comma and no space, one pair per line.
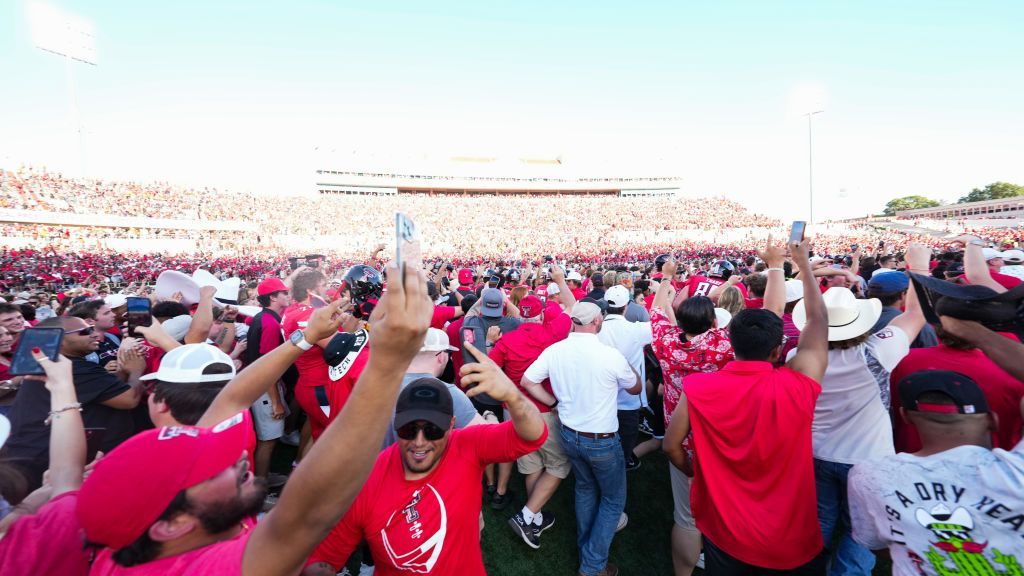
967,397
425,399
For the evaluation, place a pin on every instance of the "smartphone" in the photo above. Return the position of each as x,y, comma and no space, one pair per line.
493,282
478,338
46,339
407,242
796,236
93,441
138,314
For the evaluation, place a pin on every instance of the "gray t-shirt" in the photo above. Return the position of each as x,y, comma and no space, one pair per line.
462,407
636,313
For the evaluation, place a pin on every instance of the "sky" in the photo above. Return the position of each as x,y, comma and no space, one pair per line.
918,97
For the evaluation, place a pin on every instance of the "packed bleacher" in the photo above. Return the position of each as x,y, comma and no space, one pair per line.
270,407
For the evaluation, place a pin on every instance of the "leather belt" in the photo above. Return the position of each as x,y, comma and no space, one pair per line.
594,435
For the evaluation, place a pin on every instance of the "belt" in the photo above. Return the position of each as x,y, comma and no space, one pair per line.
594,435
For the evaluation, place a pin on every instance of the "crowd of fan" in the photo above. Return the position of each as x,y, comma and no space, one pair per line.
816,401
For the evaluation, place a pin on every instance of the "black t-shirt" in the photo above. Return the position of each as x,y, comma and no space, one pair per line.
30,436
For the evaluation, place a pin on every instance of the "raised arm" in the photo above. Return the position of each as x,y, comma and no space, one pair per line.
330,476
812,351
1005,352
558,277
258,377
975,266
662,298
911,321
484,376
202,320
775,292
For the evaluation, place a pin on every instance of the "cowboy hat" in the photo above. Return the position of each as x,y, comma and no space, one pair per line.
848,317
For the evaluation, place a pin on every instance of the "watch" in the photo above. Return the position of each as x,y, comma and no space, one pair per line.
299,339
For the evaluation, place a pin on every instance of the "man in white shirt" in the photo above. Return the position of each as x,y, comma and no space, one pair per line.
954,507
586,376
629,338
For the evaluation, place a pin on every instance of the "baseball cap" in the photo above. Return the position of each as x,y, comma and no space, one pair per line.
493,303
465,276
583,313
270,285
794,290
177,327
131,487
530,307
115,300
437,341
424,399
574,275
991,253
553,289
185,365
617,296
597,279
884,271
967,397
888,283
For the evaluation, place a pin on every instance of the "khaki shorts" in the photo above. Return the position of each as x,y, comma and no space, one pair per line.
681,513
550,455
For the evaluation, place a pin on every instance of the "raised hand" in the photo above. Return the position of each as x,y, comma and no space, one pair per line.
484,376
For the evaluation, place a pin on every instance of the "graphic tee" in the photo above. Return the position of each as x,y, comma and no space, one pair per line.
956,512
430,525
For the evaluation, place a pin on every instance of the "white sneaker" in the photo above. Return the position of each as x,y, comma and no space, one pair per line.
700,561
291,438
623,520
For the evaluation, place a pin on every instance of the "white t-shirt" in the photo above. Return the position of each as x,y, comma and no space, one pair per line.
957,512
585,376
851,418
629,338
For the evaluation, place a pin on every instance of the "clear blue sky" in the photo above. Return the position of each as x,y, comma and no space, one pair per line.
919,97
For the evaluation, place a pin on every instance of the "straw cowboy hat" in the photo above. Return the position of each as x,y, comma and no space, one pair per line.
848,317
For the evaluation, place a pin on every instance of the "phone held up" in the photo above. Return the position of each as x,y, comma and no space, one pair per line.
796,235
407,242
139,314
46,339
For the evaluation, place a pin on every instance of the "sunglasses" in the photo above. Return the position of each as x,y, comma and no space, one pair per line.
87,331
430,431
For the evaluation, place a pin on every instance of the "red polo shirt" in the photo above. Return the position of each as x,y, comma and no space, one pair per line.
518,349
753,492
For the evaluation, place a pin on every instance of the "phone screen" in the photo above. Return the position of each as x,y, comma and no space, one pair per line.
138,314
797,234
478,338
407,242
46,339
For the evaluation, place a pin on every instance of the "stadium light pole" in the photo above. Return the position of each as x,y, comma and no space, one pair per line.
810,164
71,37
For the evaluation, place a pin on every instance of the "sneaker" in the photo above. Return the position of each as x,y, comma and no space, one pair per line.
526,532
547,521
501,501
700,561
608,570
365,570
623,520
633,464
645,427
291,438
489,491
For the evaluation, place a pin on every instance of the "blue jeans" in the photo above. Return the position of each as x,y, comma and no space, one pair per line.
848,557
600,471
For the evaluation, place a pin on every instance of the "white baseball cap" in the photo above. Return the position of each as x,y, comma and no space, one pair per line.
185,365
115,300
574,275
437,341
991,253
553,289
794,290
178,326
584,313
617,296
1013,256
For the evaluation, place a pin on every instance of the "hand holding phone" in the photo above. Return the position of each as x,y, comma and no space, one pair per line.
796,235
45,339
407,242
138,314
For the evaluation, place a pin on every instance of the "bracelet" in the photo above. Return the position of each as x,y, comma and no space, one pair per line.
776,269
56,413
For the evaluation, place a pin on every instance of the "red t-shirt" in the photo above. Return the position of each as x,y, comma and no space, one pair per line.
311,365
430,525
518,349
753,491
223,558
702,285
22,551
753,303
441,315
1002,391
338,392
453,337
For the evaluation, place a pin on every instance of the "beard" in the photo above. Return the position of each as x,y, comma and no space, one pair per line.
222,516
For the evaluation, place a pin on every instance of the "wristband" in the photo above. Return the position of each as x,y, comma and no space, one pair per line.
56,413
777,270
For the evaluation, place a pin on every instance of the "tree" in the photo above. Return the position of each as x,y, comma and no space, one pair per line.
909,203
993,191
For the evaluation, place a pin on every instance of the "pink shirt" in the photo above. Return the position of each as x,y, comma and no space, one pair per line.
22,550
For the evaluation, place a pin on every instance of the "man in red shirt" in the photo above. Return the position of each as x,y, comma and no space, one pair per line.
718,275
176,500
420,508
753,494
313,388
547,467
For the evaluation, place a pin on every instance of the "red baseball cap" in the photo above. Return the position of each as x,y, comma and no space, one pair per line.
132,486
530,307
270,285
465,276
